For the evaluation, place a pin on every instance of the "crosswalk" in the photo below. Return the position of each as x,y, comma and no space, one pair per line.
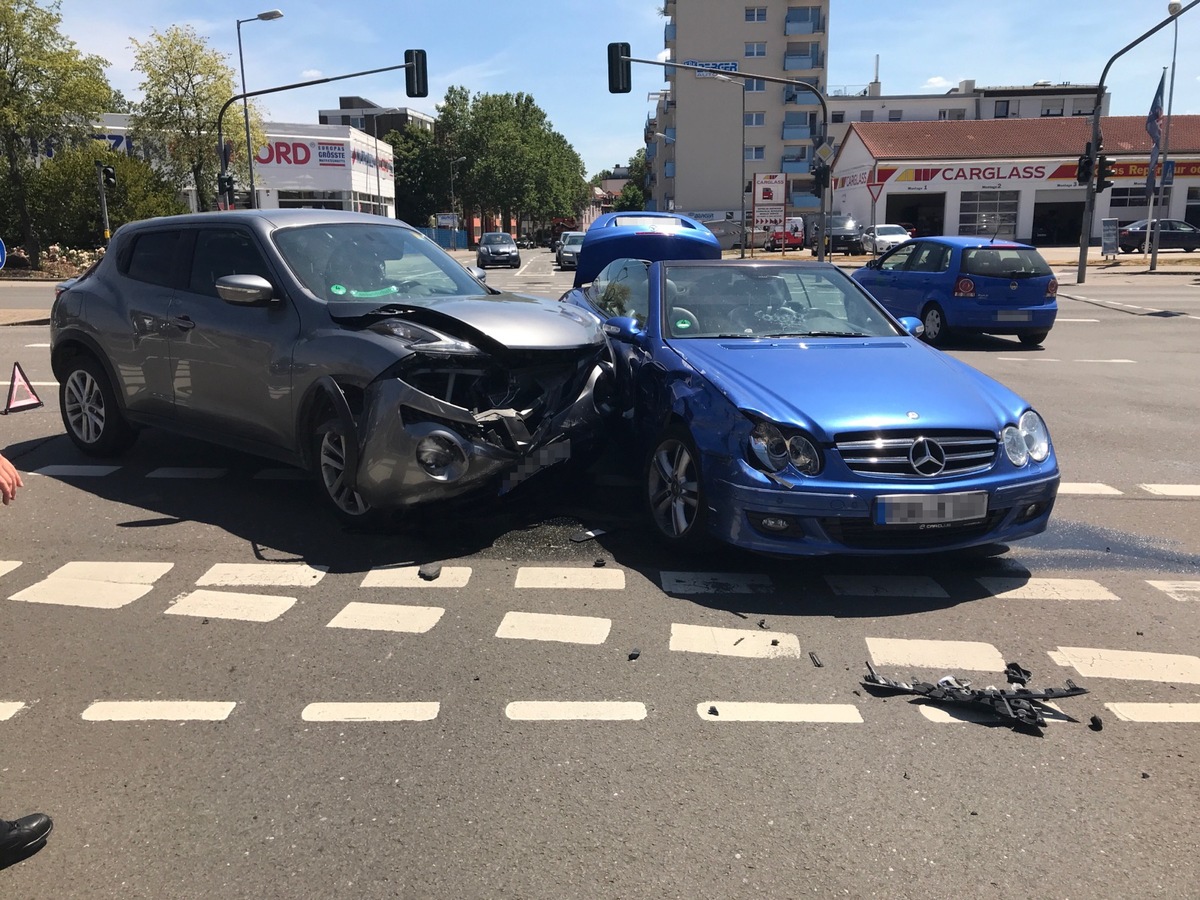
237,592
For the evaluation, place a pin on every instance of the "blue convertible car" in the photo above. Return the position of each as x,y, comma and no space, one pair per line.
783,410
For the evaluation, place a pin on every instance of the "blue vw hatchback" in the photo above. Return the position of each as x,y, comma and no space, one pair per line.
781,409
966,284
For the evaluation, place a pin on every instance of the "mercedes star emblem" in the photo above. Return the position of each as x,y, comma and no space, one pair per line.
927,457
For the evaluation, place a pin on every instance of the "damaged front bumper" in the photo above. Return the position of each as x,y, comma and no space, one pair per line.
415,448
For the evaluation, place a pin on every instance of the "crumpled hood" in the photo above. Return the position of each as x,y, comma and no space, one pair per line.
832,385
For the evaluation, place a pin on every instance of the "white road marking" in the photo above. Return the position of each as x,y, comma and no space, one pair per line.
1178,590
280,574
370,712
1056,321
885,586
1156,712
230,605
714,583
282,475
1172,490
740,642
37,346
579,710
1104,360
76,471
158,711
186,472
8,710
1045,359
555,577
95,585
1096,662
1087,487
841,713
1046,589
948,656
409,577
546,627
41,384
7,565
387,617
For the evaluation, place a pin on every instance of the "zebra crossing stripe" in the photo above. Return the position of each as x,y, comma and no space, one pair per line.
370,712
1178,590
95,585
578,710
949,657
8,710
76,471
282,475
547,627
1046,589
387,617
158,711
714,583
7,565
1088,487
1172,490
184,472
281,574
570,577
740,642
410,577
1096,662
726,711
231,605
1156,712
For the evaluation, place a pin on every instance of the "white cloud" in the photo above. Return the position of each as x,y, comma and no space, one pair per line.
938,83
311,74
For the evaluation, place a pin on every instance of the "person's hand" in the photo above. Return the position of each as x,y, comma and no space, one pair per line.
10,480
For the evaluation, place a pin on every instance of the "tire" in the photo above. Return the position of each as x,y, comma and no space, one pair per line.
329,463
674,492
769,246
90,412
1033,338
936,329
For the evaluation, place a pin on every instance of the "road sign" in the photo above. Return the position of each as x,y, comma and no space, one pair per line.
876,188
1168,177
825,152
447,220
768,215
769,188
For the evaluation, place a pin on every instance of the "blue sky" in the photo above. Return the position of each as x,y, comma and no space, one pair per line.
555,51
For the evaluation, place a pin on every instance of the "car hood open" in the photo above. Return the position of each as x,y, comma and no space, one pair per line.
820,384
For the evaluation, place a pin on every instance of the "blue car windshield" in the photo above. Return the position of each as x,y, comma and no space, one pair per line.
752,301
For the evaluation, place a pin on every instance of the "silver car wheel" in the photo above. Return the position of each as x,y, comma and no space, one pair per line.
333,475
84,406
674,488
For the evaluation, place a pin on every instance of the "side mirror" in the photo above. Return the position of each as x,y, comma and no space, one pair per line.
244,290
912,325
623,328
476,272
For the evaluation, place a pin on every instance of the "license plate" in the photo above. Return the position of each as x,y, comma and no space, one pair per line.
544,457
1012,315
928,509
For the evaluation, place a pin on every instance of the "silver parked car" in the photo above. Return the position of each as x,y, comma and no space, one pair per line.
347,344
568,250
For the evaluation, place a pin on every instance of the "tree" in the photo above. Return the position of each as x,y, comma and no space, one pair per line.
418,174
49,91
633,196
184,88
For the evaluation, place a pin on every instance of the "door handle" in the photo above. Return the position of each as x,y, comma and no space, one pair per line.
183,323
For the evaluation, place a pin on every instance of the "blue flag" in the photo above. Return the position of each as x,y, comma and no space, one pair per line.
1154,129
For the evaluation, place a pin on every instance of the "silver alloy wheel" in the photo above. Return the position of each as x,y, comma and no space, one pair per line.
333,472
85,406
674,488
934,326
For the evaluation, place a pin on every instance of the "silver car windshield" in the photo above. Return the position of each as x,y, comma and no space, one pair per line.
347,262
747,301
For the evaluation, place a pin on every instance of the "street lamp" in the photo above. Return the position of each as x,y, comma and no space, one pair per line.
1173,10
263,17
453,211
742,181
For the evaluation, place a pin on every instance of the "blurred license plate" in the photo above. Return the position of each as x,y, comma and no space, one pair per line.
1012,315
926,509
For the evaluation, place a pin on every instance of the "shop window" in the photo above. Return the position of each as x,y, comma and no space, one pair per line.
988,213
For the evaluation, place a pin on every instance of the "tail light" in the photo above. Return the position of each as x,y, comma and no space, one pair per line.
965,287
1052,288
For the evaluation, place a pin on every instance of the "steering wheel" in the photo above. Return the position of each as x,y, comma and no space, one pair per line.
766,319
683,321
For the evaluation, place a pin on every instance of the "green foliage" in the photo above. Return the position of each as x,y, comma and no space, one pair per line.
185,85
48,89
419,176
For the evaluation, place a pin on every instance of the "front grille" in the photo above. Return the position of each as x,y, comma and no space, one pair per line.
888,454
863,534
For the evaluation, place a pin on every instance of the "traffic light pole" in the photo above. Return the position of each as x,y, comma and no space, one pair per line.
615,57
103,200
1089,203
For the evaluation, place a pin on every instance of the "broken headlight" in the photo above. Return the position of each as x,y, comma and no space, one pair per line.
422,338
771,451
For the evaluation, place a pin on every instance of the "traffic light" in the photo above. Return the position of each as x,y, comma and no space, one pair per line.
225,186
109,176
620,75
820,177
1083,171
1104,174
416,74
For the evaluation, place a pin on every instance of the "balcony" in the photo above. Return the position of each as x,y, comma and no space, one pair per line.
806,25
669,169
796,132
795,62
669,34
794,166
651,150
800,97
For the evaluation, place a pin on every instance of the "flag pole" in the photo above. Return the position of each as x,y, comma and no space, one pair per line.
1150,245
1162,184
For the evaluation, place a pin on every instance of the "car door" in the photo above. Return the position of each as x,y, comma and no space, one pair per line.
886,278
232,362
925,277
1186,236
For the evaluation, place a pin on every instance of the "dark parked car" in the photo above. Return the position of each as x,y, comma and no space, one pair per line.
781,409
347,344
841,233
969,284
497,249
1173,234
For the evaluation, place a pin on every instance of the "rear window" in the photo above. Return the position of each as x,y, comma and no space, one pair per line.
1004,262
650,223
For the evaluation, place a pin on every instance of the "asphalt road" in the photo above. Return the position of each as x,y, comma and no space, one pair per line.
557,714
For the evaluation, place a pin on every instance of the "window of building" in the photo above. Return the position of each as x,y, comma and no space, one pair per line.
989,212
754,153
837,117
754,120
1125,197
802,19
756,14
1052,107
756,48
895,115
1083,107
951,115
795,154
866,115
755,86
1001,109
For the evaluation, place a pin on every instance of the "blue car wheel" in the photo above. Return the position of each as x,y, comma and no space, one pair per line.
674,492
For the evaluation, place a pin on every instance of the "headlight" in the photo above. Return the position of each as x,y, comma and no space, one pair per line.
769,447
1028,439
424,339
803,455
442,456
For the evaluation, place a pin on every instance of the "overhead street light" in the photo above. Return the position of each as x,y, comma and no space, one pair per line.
261,17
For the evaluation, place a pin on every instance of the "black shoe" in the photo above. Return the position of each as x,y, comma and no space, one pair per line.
21,837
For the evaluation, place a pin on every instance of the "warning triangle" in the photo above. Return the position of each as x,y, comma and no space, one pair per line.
21,395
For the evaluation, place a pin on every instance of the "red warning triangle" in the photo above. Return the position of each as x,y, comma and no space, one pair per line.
21,394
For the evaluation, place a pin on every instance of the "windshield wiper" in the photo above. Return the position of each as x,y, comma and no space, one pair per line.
784,334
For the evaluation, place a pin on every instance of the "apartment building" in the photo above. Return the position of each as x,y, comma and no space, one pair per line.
707,136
